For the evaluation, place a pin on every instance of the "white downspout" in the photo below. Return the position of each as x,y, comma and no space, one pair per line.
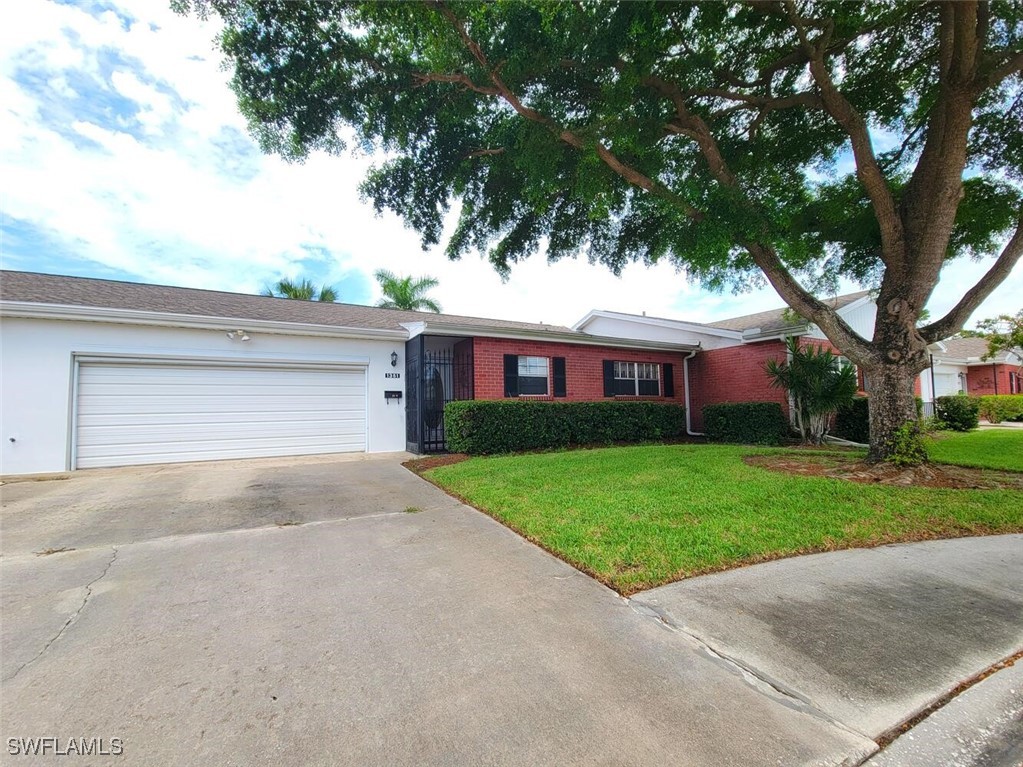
685,383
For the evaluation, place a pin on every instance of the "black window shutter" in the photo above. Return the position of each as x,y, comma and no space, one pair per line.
609,378
511,375
668,375
560,389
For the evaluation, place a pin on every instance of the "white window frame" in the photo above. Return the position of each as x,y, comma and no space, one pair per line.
534,367
630,371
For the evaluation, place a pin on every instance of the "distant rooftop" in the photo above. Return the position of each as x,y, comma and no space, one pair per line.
968,348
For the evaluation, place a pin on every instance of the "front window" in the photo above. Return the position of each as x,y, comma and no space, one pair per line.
533,375
637,379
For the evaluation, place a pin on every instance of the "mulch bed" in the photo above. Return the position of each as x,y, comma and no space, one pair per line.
853,470
419,465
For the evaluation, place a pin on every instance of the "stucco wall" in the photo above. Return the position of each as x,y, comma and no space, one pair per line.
36,369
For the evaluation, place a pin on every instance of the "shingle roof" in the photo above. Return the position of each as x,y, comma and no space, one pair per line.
774,319
31,287
962,348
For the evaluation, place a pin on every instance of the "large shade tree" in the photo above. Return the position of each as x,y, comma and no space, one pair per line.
797,142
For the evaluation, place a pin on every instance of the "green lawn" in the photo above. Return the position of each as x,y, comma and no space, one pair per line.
637,517
985,448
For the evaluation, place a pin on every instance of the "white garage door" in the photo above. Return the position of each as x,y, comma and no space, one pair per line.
136,413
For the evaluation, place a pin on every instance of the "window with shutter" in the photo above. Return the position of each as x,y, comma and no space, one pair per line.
636,379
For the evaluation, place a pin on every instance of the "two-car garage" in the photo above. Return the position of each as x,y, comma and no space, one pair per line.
141,411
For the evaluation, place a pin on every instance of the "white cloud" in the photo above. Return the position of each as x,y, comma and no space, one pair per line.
177,193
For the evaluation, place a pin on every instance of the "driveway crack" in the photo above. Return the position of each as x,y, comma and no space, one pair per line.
71,619
749,674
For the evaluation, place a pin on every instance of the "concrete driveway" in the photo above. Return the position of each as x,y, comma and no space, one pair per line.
343,611
192,627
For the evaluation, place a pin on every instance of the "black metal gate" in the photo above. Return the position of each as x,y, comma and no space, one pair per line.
432,380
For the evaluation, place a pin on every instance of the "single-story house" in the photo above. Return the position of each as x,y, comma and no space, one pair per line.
103,373
957,367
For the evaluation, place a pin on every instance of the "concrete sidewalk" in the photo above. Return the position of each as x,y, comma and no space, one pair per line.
983,727
867,637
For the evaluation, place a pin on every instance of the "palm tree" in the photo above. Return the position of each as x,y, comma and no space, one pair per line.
820,384
406,292
303,290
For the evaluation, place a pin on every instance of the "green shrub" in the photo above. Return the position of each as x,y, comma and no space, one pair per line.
481,427
957,412
907,446
748,423
853,421
1001,407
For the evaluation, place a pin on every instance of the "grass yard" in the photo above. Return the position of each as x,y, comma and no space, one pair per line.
983,448
638,517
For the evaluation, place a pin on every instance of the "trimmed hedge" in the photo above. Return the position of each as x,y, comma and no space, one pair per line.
853,422
748,423
957,412
1001,407
481,427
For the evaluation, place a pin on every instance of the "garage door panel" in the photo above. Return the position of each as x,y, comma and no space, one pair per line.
131,433
213,405
129,414
106,421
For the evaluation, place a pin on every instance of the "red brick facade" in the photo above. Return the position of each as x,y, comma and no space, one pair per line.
584,376
734,374
991,379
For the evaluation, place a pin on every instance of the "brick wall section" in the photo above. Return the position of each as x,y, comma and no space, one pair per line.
734,374
584,372
981,379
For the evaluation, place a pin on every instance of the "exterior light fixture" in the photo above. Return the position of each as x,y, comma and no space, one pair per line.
394,359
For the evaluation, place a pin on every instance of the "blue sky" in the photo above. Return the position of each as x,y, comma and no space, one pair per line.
122,155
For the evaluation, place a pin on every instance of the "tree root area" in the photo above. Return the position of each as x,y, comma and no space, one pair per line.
852,470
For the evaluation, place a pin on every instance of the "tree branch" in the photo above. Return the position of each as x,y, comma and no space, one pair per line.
631,174
868,171
422,78
1013,66
953,321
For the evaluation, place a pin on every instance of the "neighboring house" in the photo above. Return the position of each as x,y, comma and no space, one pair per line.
733,353
102,373
958,368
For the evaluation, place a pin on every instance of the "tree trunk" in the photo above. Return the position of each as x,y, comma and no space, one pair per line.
891,405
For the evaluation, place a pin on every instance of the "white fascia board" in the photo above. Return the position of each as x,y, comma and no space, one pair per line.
169,319
753,335
484,331
692,327
414,328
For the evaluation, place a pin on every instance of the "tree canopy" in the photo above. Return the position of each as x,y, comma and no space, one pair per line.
797,141
302,290
1003,333
407,293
